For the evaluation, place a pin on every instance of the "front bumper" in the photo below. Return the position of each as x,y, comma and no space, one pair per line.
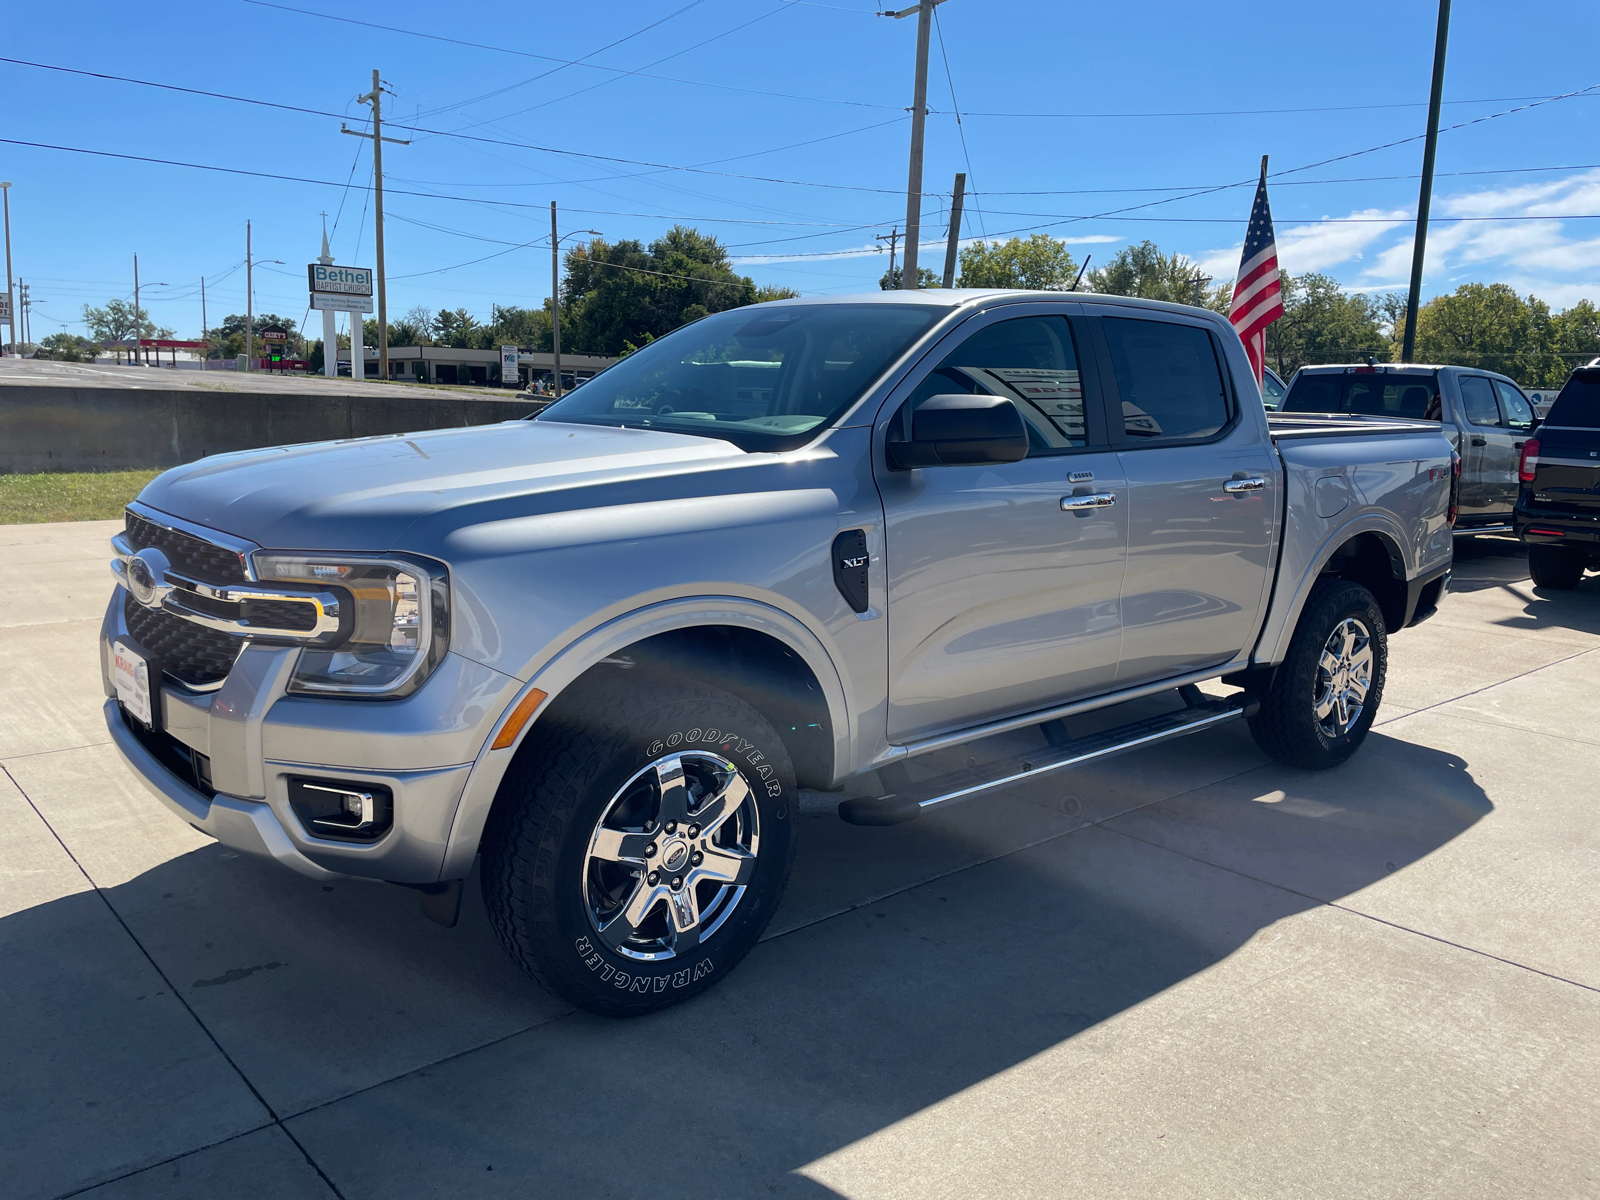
257,737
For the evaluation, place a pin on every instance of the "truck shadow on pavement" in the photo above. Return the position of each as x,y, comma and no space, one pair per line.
410,1060
1499,563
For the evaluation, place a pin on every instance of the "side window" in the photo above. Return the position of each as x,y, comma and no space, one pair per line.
1032,362
1168,377
1478,399
1518,412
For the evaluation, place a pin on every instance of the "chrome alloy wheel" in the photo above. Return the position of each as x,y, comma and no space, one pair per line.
1344,677
671,856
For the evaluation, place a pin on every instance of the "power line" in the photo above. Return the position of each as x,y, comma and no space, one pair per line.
571,62
955,107
702,170
563,66
1248,112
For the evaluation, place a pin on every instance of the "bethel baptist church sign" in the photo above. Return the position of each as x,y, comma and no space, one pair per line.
343,289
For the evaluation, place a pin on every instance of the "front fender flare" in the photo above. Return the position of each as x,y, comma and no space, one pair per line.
562,669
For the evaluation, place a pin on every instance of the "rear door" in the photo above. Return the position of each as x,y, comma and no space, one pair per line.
1002,598
1488,458
1202,496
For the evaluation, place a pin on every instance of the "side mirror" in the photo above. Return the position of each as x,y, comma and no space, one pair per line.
953,430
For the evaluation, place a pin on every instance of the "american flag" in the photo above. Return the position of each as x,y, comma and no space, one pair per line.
1257,296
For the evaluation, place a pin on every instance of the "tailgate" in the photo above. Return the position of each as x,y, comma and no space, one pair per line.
1568,471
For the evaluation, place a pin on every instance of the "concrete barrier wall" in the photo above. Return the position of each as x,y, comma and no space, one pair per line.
115,429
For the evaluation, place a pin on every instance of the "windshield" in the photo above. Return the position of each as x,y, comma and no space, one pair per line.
761,378
1578,405
1412,395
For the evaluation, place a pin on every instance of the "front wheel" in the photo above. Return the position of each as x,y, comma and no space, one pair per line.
640,845
1559,568
1325,694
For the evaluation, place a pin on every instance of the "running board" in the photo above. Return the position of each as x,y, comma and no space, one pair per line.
1469,530
916,798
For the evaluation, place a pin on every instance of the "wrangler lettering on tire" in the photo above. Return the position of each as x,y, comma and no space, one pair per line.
640,845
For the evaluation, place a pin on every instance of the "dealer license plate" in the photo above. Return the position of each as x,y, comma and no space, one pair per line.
133,683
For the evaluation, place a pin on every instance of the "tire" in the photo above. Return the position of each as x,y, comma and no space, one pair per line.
1340,619
633,789
1559,568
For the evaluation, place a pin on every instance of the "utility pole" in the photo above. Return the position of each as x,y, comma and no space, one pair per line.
893,238
955,229
1200,282
249,305
204,328
555,296
375,98
1441,37
27,313
11,322
138,325
919,106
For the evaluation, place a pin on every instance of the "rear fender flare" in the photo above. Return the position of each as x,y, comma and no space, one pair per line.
1285,612
561,670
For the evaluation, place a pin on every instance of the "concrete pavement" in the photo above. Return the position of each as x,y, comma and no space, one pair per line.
1187,972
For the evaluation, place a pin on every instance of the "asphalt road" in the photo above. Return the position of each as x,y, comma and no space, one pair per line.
1186,973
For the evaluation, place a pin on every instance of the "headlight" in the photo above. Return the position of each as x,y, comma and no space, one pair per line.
394,630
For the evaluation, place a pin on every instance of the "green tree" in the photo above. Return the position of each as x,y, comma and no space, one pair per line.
227,339
622,295
1144,271
1321,323
66,347
890,282
769,292
1041,263
458,328
1491,326
115,323
1577,340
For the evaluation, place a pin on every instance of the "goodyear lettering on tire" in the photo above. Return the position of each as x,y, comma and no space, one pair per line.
731,743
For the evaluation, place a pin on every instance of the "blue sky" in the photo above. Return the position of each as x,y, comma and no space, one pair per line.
1058,104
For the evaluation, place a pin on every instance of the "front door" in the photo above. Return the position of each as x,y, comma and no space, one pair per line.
1000,598
1202,499
1489,462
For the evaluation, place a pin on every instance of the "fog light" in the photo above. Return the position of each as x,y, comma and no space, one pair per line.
342,809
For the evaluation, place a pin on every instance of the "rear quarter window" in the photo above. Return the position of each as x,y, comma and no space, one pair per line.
1578,405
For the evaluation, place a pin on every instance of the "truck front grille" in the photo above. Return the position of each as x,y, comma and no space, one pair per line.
190,556
190,653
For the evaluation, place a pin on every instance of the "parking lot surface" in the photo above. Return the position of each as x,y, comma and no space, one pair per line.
1184,972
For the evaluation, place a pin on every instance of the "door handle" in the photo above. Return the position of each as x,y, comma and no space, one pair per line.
1478,441
1085,503
1237,486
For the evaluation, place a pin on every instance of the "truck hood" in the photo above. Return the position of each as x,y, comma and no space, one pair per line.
386,492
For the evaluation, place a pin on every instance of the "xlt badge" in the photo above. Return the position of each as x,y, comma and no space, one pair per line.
850,564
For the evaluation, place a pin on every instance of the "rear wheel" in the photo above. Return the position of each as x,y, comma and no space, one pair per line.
1324,696
1559,568
641,845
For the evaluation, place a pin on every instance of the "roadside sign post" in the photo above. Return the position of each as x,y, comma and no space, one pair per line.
510,376
343,289
275,339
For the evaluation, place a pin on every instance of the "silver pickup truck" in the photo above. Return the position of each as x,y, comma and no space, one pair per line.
807,544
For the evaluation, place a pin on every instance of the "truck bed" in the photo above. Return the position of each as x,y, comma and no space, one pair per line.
1309,425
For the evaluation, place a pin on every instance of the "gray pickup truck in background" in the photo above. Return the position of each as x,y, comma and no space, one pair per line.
1486,417
803,544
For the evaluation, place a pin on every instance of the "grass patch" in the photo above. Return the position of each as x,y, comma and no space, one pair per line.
69,496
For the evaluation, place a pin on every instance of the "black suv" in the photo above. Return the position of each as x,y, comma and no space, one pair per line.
1558,502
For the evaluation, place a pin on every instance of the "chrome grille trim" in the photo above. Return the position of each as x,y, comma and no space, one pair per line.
324,606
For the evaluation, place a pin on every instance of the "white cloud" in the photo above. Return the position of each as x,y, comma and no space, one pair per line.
1539,256
936,244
